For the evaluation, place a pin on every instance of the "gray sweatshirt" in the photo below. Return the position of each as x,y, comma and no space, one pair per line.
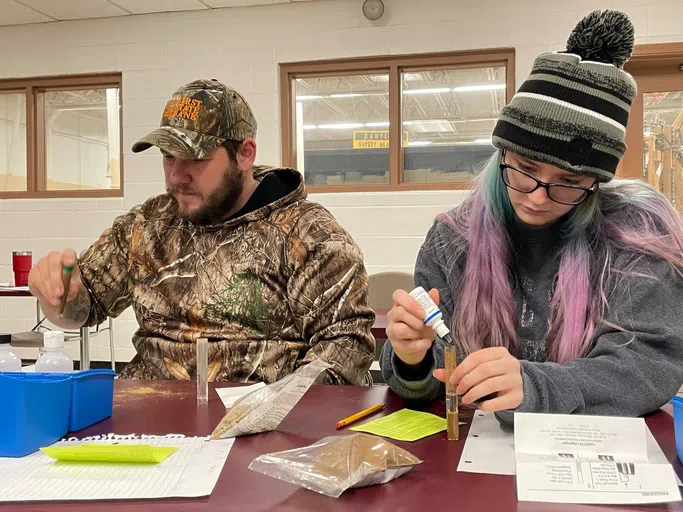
624,374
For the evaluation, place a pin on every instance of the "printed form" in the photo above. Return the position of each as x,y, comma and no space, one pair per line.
191,471
588,459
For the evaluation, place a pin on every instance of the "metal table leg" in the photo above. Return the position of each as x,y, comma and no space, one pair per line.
85,348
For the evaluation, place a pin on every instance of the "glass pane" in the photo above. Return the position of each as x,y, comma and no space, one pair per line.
662,159
449,116
343,129
13,142
82,139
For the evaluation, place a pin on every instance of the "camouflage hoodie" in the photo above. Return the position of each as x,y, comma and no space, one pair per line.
272,290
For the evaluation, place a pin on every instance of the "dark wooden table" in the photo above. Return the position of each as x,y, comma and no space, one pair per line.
15,293
170,407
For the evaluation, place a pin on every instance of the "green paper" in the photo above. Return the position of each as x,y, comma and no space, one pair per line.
139,453
405,425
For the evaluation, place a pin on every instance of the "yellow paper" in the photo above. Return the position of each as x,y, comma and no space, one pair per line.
405,425
139,453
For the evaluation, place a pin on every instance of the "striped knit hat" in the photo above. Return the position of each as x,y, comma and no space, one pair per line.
572,110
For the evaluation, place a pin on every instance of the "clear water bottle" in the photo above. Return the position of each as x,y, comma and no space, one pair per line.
54,360
8,361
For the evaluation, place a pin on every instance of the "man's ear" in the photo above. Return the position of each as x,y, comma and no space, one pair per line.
246,155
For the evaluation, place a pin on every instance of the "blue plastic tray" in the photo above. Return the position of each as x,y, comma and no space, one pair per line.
678,425
40,408
92,397
35,411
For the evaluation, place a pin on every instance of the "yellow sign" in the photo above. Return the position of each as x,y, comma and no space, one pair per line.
374,139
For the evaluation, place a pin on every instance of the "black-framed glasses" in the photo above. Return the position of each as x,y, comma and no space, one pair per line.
560,193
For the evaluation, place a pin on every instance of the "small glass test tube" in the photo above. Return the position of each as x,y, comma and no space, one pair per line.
202,371
452,422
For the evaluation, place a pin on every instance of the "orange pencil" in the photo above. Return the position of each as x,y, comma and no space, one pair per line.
360,415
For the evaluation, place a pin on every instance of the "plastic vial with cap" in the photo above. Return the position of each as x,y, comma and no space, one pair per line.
202,371
8,361
433,317
54,360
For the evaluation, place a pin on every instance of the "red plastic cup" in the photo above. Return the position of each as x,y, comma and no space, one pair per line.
22,261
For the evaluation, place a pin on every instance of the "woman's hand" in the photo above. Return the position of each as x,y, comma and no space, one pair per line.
407,333
490,371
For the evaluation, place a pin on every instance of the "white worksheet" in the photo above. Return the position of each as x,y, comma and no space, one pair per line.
563,458
488,448
192,471
491,449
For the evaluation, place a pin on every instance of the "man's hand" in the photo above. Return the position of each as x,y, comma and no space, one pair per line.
45,283
45,278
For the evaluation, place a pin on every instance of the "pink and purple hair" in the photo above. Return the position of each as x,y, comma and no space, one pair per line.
625,218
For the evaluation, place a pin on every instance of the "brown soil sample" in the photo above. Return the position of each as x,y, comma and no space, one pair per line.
359,455
232,418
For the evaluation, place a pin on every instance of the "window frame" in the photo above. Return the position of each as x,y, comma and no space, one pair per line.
652,67
393,65
34,88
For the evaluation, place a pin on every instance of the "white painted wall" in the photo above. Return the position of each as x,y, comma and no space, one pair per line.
243,46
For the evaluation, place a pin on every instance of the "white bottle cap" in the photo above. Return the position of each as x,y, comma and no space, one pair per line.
53,339
442,330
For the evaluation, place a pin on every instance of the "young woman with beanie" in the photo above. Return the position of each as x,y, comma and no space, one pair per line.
563,286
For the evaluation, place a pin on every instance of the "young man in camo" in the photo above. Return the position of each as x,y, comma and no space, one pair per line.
232,252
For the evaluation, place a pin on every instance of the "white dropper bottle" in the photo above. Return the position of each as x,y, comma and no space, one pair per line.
54,360
433,316
9,362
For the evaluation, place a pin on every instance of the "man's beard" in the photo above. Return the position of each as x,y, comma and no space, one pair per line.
216,205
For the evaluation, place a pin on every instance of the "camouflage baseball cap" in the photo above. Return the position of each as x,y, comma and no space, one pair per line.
199,117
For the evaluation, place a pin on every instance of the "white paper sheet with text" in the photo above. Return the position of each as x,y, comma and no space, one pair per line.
491,449
230,395
588,459
192,471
